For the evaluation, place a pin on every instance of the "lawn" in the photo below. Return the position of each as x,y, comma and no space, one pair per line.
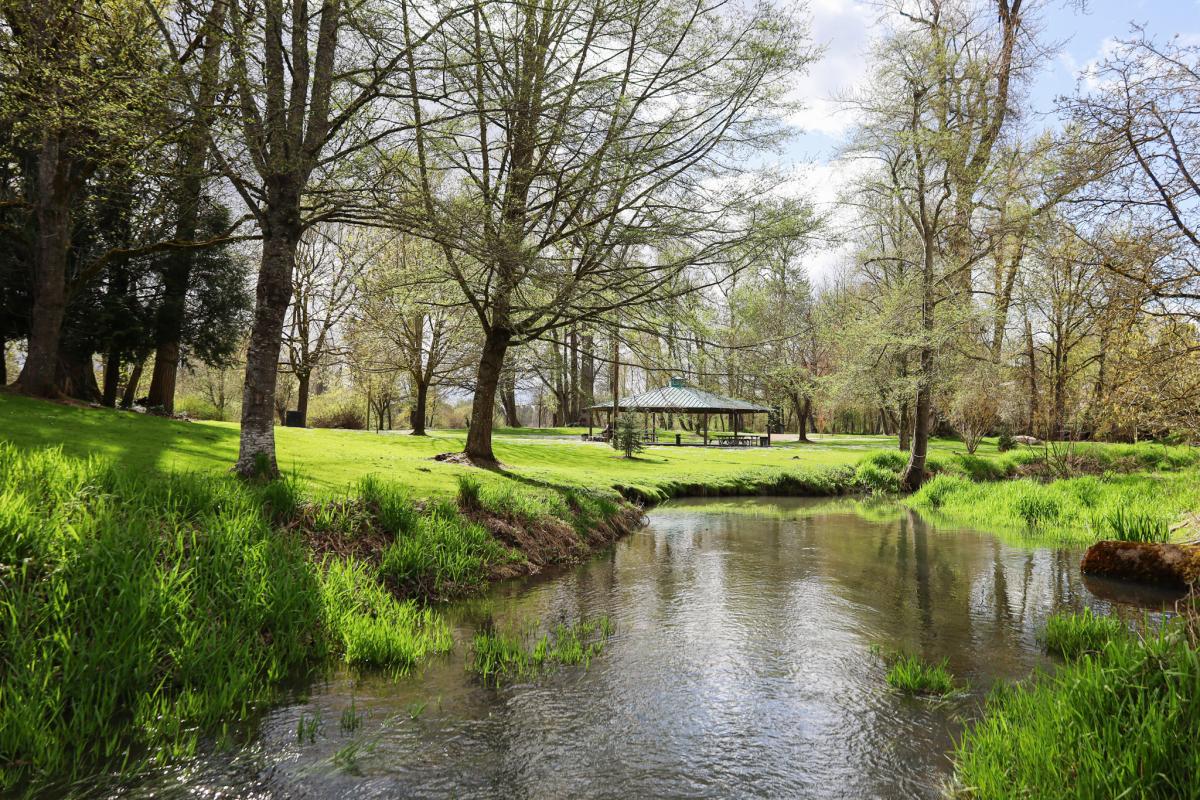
328,461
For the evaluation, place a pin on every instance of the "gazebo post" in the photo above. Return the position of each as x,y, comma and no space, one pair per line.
654,425
705,429
590,426
768,429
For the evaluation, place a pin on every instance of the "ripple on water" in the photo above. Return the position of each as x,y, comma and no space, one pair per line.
742,666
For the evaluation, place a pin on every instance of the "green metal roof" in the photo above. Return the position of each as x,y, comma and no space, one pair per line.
683,399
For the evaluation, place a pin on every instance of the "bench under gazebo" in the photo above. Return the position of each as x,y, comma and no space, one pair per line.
679,398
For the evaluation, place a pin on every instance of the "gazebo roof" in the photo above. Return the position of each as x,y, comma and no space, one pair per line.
679,398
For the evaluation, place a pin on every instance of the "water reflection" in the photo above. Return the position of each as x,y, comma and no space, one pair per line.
742,666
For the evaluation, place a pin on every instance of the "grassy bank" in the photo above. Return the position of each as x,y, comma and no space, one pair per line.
1120,719
140,611
325,462
149,598
1099,491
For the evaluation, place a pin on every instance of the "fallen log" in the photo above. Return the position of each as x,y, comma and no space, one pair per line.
1171,565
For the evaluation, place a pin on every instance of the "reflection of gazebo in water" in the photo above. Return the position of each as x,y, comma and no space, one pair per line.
679,398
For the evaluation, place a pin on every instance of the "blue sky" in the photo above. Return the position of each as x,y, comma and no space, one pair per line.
844,28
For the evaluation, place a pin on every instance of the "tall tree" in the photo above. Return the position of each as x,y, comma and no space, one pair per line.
79,83
1142,118
418,319
200,29
305,86
330,262
574,157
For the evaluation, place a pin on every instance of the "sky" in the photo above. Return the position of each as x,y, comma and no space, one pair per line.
844,27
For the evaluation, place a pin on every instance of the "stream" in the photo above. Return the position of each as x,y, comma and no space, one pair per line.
742,665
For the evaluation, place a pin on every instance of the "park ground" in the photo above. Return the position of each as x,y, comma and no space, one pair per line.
152,598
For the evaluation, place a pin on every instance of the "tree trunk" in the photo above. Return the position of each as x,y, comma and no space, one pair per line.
417,415
52,214
165,373
303,382
169,331
256,452
587,373
914,473
112,376
803,409
508,399
1031,355
483,407
905,427
574,404
169,322
129,396
75,376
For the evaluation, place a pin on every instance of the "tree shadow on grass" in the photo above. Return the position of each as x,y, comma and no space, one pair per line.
138,441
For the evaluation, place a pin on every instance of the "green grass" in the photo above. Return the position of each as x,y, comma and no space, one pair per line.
1073,635
142,611
1138,505
910,675
136,611
329,461
1120,722
497,657
1127,525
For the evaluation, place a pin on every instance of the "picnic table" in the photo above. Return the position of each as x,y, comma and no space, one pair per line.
736,439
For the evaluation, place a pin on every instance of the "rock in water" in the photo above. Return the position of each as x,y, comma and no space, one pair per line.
1174,565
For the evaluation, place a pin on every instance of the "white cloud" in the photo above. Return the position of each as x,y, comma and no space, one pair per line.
823,184
843,28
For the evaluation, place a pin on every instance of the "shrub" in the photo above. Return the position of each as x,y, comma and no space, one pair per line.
933,492
975,410
196,407
876,479
1005,442
626,436
347,416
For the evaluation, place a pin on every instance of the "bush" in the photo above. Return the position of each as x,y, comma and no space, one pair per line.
1005,442
975,409
194,406
876,479
933,492
347,416
626,436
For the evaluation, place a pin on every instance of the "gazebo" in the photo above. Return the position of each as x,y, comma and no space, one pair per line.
679,398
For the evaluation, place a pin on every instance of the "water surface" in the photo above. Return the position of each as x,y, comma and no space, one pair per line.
742,666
